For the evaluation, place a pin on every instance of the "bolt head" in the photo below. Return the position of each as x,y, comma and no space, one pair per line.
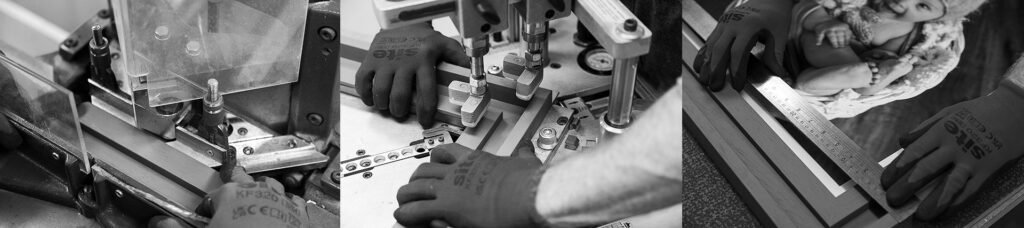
118,193
55,156
248,150
367,175
336,177
243,131
493,69
360,152
327,33
315,119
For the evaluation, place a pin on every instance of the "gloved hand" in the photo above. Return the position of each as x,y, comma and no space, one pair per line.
963,146
466,188
248,202
738,30
398,59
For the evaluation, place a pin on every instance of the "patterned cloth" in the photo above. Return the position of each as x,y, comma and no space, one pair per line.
938,47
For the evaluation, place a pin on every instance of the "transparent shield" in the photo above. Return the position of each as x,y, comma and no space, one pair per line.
28,95
172,47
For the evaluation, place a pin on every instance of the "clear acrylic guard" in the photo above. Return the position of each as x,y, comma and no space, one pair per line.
172,47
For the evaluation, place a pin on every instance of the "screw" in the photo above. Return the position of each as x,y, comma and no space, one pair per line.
97,36
367,175
315,119
327,33
336,177
494,69
104,13
209,152
161,32
70,42
562,120
118,193
350,167
291,143
242,131
365,163
630,25
360,152
247,150
55,156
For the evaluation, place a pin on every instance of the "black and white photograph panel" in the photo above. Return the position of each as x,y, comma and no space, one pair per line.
503,113
169,113
854,113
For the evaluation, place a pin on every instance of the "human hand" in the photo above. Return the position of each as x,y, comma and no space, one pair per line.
838,33
466,188
963,146
738,30
398,59
248,202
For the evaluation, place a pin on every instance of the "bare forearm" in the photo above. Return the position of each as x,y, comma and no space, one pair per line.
856,75
637,172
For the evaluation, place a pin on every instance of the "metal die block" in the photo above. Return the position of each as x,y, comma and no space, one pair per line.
458,92
473,109
528,82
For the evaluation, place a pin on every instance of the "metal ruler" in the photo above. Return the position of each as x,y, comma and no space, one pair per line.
837,146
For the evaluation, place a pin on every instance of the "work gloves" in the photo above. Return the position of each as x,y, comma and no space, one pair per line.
729,46
400,58
465,188
962,147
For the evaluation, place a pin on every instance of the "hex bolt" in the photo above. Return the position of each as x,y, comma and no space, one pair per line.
327,33
247,150
242,131
494,69
547,139
118,193
315,119
367,175
336,177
